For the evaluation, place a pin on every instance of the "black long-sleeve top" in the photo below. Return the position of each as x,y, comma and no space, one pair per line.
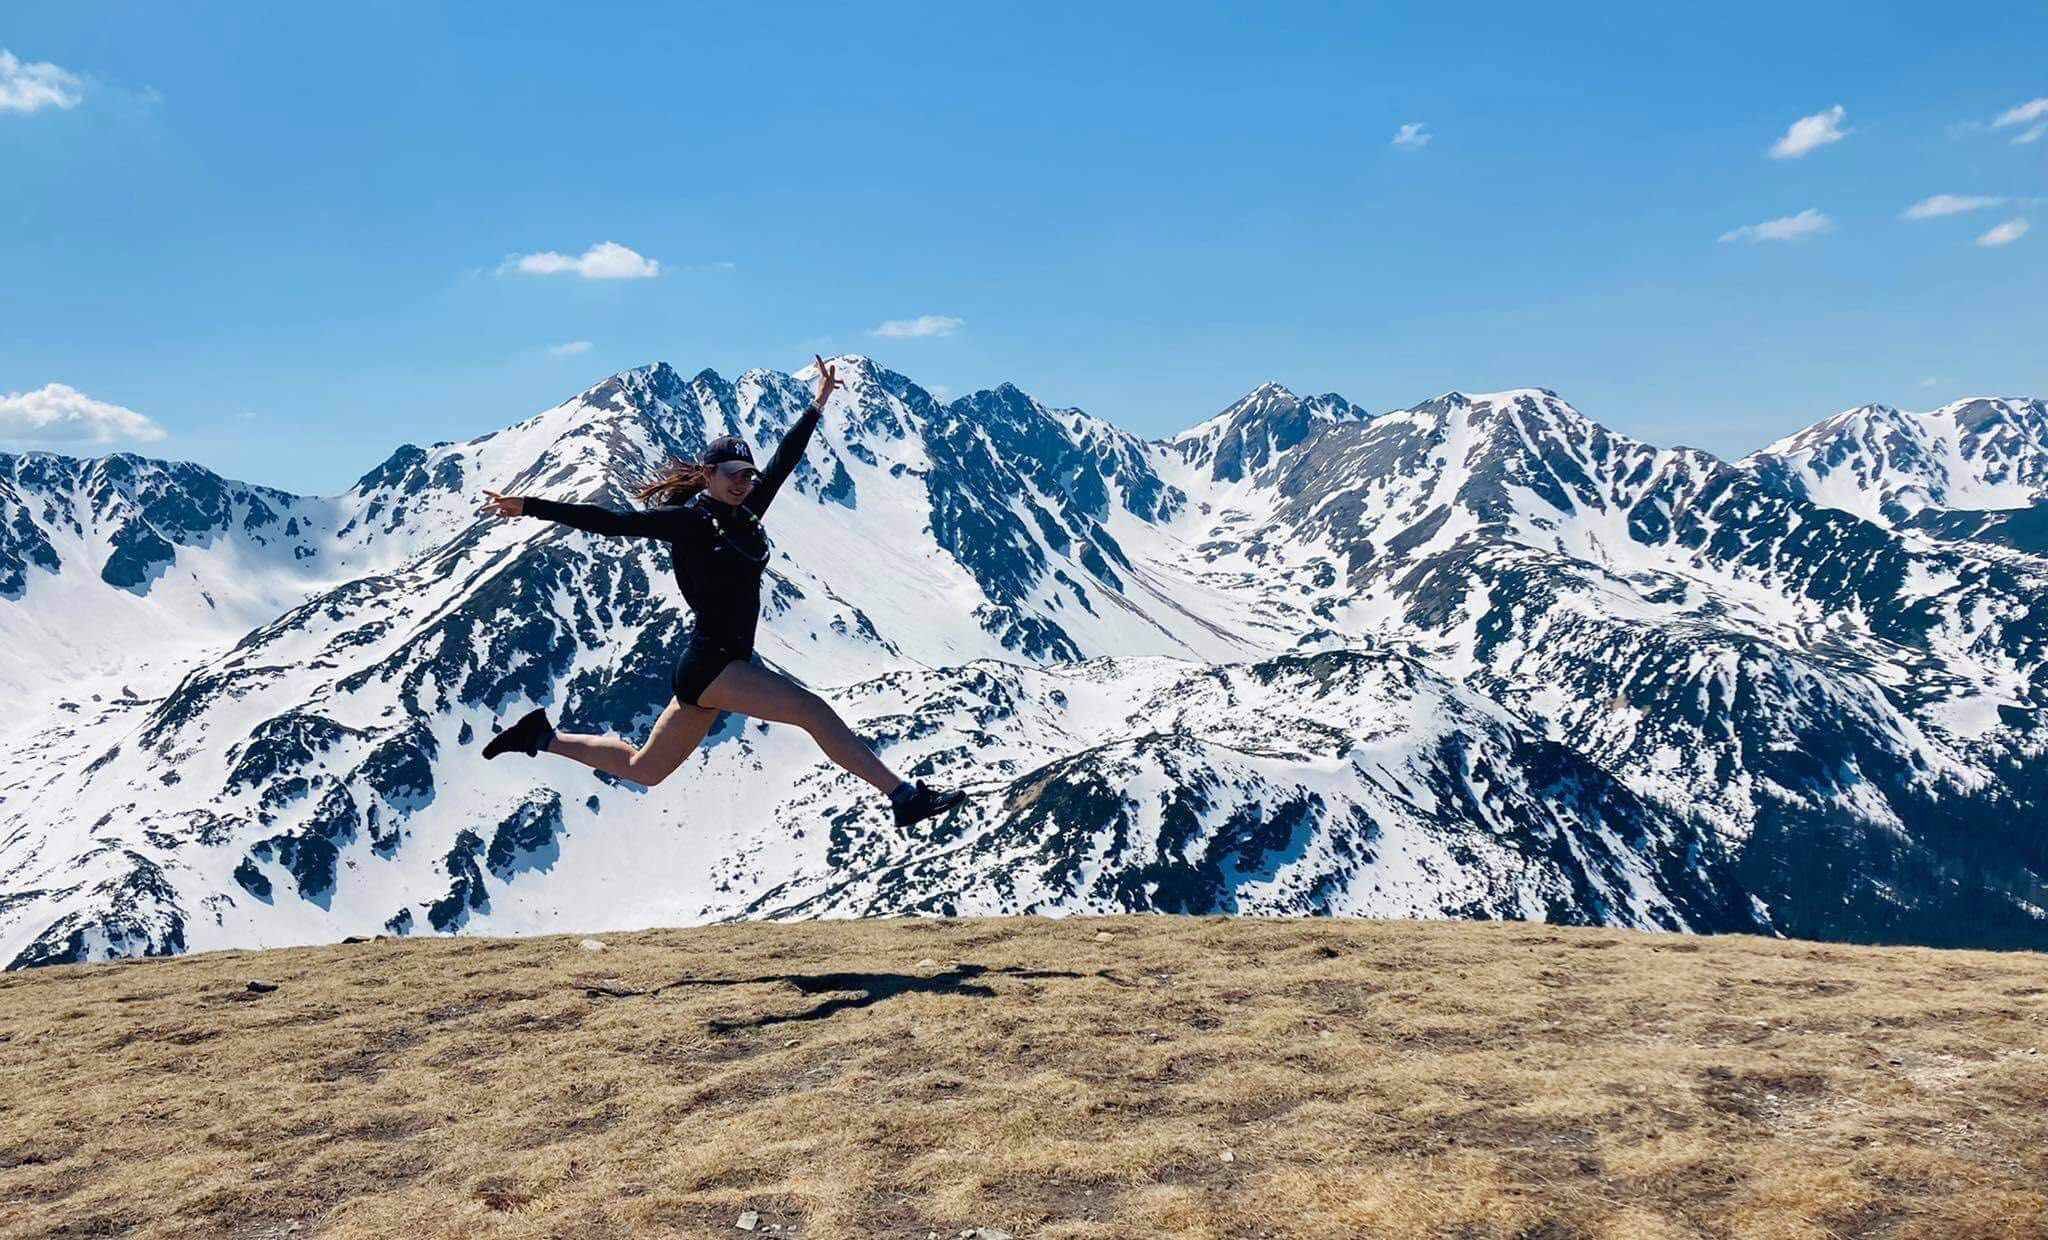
719,550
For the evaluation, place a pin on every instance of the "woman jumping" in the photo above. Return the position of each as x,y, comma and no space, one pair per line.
710,516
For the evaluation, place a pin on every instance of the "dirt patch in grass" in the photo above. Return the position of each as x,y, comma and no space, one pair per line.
1200,1078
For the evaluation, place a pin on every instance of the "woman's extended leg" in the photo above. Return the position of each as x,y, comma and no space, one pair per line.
674,737
757,692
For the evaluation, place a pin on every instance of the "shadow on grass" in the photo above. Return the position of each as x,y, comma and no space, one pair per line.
870,988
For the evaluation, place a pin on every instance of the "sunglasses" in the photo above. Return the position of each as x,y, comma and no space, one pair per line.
739,470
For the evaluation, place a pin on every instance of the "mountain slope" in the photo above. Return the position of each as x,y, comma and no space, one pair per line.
1802,678
112,566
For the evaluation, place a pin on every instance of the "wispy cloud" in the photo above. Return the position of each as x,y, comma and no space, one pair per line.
64,416
1414,133
1810,133
570,349
30,86
2033,114
922,325
1784,228
607,260
2004,234
1931,381
1949,204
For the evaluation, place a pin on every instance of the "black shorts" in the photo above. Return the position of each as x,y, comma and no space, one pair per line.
701,663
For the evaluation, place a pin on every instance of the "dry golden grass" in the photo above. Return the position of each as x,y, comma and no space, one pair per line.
1372,1079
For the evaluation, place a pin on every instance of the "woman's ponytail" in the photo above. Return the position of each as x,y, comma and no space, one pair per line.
682,480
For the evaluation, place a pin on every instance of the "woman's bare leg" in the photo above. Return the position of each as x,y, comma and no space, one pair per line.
761,694
674,737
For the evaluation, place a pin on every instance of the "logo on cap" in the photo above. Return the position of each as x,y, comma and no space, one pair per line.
726,448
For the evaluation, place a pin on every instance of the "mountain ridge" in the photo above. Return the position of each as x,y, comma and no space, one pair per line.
1746,680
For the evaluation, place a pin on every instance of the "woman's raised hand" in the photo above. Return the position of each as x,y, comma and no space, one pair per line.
827,380
503,505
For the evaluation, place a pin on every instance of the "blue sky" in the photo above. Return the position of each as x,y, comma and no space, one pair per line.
279,234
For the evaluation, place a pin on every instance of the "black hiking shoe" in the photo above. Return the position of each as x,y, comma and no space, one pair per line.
923,803
528,736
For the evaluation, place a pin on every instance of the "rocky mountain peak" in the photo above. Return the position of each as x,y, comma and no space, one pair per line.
1256,430
641,388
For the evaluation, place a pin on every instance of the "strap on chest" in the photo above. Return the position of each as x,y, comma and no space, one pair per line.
726,521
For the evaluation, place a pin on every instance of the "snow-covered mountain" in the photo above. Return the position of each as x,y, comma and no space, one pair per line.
1254,432
1975,469
1481,657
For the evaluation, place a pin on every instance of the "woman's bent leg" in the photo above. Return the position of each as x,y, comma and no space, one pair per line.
674,737
759,693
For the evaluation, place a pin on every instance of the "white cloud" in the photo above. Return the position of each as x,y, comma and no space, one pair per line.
939,391
607,260
29,86
1785,228
65,416
1930,381
1949,204
2033,114
2031,110
922,325
2004,234
1810,133
570,349
1414,133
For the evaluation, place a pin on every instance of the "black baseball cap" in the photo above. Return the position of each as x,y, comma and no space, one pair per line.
726,448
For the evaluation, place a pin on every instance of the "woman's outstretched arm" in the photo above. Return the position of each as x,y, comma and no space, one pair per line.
637,523
794,441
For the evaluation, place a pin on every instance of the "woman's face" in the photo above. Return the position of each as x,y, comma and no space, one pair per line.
729,482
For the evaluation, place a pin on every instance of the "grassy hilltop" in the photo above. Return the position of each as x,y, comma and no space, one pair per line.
1152,1076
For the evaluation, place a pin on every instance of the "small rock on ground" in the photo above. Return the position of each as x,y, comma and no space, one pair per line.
752,1218
262,988
592,945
